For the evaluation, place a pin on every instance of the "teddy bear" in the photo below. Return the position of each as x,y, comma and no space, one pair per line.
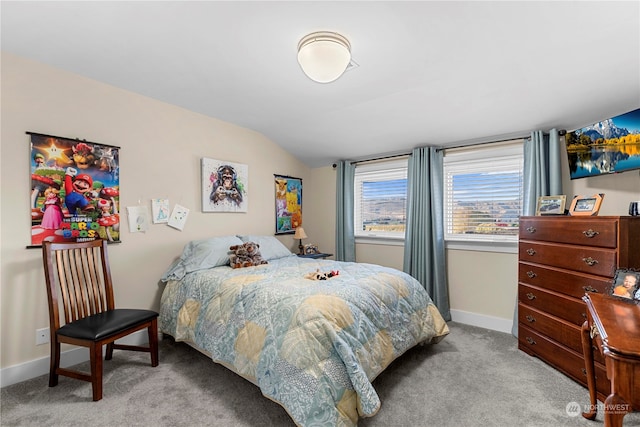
245,255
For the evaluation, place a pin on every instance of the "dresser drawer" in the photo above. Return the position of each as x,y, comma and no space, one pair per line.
559,330
598,261
562,358
576,231
564,281
570,309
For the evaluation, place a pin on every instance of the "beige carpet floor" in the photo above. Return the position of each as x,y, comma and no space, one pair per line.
474,377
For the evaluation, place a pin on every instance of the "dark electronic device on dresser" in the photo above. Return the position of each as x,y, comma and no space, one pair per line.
610,146
560,259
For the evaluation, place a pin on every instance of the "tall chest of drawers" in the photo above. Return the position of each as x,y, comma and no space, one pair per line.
560,258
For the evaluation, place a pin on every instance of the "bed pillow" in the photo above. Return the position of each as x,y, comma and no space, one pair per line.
200,255
270,247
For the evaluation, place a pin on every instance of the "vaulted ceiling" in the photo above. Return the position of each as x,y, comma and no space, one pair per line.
430,72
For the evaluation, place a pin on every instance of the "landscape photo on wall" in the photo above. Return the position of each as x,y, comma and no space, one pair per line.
606,147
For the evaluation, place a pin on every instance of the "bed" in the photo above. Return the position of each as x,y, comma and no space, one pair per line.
313,346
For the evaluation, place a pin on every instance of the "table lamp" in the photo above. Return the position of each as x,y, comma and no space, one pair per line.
300,234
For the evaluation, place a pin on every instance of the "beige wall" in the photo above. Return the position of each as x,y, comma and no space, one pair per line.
161,150
160,157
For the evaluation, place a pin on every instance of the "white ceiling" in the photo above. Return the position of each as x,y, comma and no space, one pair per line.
430,73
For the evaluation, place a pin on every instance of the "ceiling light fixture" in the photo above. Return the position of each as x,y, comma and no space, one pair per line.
324,56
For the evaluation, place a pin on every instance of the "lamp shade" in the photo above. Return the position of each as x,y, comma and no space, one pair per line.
300,234
324,56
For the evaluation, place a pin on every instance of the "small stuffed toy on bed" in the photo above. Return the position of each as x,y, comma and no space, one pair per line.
245,255
317,275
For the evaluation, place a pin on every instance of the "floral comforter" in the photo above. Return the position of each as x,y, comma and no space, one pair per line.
314,346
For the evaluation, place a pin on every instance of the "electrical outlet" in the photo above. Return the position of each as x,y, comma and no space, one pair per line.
42,336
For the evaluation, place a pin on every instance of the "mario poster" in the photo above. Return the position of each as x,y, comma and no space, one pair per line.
75,190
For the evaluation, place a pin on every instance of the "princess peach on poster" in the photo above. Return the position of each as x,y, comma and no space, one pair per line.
52,217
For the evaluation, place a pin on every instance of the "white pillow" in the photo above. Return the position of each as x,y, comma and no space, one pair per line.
270,247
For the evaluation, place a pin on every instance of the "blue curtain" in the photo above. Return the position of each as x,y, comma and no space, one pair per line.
424,253
542,176
542,171
345,238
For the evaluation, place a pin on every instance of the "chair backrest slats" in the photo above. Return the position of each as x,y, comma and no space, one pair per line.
78,279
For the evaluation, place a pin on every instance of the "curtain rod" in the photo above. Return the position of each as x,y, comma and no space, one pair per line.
483,143
380,158
561,132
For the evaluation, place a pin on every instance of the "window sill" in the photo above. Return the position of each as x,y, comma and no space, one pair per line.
387,241
502,247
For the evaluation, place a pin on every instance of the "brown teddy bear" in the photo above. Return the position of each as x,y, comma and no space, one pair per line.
245,255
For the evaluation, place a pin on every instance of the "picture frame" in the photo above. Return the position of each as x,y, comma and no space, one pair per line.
626,284
311,249
551,205
586,205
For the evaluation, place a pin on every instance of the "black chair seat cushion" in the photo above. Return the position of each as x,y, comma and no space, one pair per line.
107,323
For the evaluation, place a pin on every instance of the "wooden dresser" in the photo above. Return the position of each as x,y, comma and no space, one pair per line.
560,259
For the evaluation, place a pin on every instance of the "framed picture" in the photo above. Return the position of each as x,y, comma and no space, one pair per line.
551,205
586,205
626,284
310,249
288,204
225,186
75,190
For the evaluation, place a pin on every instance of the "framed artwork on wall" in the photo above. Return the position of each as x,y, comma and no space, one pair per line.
75,190
225,186
288,204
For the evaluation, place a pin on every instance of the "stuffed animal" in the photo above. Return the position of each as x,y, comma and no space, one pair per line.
317,275
245,255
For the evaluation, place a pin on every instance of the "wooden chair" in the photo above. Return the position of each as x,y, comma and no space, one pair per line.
79,285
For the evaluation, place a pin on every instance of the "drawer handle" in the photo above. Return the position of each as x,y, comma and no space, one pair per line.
531,274
590,289
531,252
584,315
584,371
531,341
530,318
531,230
593,332
590,233
531,296
590,261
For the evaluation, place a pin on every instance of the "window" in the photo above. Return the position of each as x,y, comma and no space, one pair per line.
380,197
483,193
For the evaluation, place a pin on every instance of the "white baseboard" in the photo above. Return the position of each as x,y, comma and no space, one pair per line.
483,321
35,368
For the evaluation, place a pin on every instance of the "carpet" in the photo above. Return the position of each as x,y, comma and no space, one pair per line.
474,377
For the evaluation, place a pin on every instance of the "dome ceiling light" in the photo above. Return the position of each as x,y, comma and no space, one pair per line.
324,55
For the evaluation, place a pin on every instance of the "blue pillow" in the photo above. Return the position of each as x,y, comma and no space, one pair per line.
201,255
270,247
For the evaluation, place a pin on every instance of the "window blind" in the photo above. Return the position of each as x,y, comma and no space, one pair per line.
380,194
483,195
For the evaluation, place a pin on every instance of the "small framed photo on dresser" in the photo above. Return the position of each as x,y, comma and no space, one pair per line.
626,284
551,205
586,205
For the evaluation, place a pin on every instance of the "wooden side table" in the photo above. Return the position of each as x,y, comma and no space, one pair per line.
613,325
315,256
